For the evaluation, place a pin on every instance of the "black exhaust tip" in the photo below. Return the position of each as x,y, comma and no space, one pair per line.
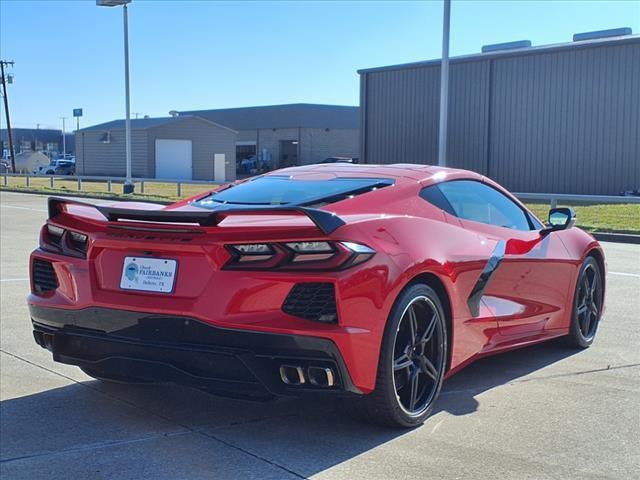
292,375
321,376
45,340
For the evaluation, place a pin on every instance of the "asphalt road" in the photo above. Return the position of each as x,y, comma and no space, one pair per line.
543,412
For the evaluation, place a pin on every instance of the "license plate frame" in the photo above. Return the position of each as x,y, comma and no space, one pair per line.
149,274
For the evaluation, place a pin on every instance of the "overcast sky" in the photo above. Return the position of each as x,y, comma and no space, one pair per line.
205,54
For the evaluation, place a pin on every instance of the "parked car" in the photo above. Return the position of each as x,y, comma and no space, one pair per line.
253,165
60,167
375,283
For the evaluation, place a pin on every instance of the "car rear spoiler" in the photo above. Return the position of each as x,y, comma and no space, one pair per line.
327,222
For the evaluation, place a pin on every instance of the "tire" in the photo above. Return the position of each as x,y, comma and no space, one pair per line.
110,378
587,305
390,403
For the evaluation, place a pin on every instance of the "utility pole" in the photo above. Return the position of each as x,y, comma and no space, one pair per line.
64,138
12,151
444,86
128,184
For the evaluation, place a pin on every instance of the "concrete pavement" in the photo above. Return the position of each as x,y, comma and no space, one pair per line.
542,412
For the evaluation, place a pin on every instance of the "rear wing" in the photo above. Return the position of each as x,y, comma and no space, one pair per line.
327,222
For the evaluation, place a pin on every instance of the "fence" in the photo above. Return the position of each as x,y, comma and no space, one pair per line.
554,198
108,182
80,181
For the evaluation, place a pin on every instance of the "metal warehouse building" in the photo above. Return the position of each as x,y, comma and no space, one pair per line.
278,136
176,148
559,118
36,140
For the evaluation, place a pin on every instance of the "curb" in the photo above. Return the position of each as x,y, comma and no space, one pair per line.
617,237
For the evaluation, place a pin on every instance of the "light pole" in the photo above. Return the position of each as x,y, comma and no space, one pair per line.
444,86
64,138
128,184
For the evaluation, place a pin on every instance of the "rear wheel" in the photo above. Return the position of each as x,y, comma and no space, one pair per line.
412,361
587,305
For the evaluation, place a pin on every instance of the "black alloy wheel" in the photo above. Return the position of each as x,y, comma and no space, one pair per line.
417,356
589,301
412,364
587,305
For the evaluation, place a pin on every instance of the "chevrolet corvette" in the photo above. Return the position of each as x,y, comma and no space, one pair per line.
374,282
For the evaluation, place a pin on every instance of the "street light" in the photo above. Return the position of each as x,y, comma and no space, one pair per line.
64,138
128,184
444,86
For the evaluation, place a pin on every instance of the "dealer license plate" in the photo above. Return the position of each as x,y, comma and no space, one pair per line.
148,274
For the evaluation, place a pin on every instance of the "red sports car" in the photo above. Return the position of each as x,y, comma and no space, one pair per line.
373,282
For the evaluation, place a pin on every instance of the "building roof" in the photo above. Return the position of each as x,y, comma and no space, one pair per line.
295,115
514,52
146,123
32,134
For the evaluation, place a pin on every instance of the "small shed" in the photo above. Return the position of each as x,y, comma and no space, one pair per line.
173,148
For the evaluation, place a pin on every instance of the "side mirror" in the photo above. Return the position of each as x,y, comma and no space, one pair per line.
560,219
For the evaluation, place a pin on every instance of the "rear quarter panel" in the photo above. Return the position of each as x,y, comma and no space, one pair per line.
414,246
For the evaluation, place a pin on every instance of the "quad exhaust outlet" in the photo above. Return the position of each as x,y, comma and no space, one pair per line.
295,375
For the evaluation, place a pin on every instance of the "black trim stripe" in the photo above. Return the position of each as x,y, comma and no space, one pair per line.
485,277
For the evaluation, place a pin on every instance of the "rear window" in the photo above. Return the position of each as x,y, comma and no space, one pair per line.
281,190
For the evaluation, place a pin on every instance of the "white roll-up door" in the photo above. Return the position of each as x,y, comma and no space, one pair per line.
173,159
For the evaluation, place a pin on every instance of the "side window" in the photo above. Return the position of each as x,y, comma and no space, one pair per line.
433,195
473,200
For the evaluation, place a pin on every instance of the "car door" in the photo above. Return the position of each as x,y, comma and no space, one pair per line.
526,281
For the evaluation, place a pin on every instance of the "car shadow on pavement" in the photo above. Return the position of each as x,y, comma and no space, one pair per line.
458,395
306,436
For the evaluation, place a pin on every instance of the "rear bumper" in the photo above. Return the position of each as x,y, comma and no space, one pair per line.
183,350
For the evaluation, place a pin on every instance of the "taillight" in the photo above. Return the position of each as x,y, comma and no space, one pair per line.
303,255
311,251
252,252
77,241
54,235
60,240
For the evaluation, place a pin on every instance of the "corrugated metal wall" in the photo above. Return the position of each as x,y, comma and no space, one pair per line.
93,157
564,120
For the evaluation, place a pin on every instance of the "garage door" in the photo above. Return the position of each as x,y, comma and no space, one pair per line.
173,159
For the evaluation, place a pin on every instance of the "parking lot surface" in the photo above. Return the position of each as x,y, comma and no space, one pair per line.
542,412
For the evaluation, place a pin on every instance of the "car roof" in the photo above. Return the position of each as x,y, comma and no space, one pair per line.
400,172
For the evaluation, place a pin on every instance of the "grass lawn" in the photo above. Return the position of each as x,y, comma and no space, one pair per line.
623,218
160,192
